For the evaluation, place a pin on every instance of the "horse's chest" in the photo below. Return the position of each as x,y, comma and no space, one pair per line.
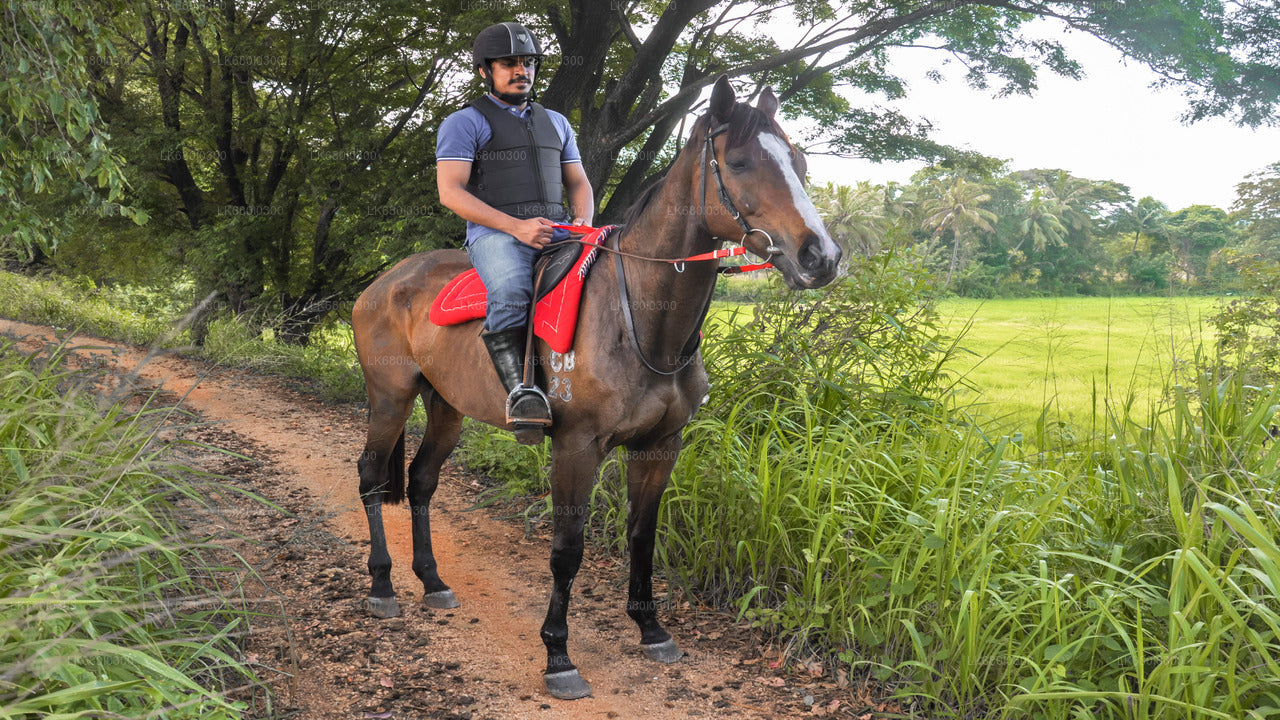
614,399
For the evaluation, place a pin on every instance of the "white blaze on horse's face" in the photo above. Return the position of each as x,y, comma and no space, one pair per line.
778,150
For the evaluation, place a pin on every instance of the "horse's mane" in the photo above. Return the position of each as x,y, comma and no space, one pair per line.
744,122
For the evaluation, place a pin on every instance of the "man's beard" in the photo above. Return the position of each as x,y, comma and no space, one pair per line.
509,98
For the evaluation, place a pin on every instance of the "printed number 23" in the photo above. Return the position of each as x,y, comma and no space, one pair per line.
560,389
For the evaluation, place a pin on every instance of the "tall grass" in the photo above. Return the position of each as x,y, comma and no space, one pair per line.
837,492
1133,576
108,606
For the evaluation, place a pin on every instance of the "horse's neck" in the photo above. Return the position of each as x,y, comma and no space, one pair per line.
667,301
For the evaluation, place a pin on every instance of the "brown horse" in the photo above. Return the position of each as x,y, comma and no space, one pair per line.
634,378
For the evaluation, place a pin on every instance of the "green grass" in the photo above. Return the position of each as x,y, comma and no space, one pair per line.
1132,576
1076,357
1123,564
109,605
148,317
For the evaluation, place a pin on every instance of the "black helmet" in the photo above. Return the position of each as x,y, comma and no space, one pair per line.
508,39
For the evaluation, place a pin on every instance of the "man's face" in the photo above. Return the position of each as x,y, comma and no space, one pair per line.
512,76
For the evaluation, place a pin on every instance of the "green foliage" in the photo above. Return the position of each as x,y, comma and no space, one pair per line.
522,470
1248,326
982,581
1258,207
137,315
110,608
145,316
50,52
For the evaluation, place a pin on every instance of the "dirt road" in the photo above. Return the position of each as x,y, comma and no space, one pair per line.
481,660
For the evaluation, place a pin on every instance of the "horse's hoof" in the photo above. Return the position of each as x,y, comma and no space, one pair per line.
382,607
567,685
442,600
663,652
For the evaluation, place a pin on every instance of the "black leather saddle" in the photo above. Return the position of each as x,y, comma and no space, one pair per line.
553,263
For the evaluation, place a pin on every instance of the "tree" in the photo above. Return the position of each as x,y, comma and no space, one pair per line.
1195,233
854,215
955,207
51,129
1146,217
291,139
1042,224
1258,206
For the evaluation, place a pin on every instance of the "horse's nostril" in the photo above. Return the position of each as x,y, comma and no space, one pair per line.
810,256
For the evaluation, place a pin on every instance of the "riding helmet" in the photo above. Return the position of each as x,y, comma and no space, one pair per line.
508,39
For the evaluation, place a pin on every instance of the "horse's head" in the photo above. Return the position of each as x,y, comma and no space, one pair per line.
761,176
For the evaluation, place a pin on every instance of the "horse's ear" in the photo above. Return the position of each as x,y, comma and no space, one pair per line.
722,99
768,102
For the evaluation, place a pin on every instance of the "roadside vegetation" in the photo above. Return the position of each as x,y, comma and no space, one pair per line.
981,536
844,491
110,604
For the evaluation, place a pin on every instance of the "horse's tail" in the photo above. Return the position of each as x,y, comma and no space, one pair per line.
396,474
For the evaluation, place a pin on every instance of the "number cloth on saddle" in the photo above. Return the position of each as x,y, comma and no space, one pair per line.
555,313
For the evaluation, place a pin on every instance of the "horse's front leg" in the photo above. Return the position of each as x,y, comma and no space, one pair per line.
648,471
573,472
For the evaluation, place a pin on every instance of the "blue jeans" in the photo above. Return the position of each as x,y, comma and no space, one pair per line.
505,266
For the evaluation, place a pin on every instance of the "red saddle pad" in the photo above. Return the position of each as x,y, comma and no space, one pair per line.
555,316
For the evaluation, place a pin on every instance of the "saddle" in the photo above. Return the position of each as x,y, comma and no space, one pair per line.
561,271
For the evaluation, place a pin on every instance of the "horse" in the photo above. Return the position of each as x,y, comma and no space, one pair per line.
635,377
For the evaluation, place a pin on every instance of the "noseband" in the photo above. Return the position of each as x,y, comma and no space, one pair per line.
709,159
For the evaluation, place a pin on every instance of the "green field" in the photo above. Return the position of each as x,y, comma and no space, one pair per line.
1074,355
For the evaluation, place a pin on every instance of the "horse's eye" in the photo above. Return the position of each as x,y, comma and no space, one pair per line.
737,164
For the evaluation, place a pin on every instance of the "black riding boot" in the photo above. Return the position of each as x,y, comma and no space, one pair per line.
528,411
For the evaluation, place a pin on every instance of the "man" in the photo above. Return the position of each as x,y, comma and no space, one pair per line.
505,165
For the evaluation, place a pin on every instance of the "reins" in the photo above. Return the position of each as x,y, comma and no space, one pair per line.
690,348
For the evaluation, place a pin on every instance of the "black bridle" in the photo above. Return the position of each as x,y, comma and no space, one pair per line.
691,345
709,160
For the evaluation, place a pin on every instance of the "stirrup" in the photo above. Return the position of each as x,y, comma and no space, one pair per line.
521,391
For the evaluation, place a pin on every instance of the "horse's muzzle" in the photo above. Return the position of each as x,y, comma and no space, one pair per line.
817,262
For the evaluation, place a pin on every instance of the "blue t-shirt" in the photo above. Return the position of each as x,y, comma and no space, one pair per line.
463,133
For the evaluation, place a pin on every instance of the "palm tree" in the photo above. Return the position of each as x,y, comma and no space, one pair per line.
1147,217
855,216
954,206
1043,224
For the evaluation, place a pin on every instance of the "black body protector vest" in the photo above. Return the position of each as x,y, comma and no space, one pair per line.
518,170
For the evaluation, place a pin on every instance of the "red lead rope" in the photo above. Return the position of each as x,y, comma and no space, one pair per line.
713,255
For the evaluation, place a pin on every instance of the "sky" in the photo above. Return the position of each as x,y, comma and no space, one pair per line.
1111,125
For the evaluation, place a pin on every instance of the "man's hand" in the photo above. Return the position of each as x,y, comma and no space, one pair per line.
534,232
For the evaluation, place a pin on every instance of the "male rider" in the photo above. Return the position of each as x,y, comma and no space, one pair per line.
506,165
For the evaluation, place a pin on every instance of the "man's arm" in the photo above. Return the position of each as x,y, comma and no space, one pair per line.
582,201
451,182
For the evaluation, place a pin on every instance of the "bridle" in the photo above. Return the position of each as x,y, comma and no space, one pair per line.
708,160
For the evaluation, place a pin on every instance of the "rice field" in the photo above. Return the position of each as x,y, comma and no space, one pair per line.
1075,357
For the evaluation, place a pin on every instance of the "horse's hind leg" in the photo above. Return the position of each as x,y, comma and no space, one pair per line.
444,425
648,470
381,467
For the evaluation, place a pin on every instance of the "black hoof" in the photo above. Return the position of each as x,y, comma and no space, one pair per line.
382,607
443,600
567,685
663,652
